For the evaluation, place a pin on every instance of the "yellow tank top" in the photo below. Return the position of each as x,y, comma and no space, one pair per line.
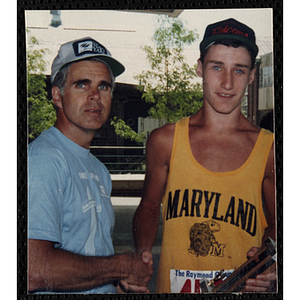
210,219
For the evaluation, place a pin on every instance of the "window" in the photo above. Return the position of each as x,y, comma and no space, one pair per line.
244,106
266,77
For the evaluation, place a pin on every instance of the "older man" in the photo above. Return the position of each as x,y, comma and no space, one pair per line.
70,214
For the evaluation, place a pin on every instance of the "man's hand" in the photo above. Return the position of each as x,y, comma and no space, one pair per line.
146,256
123,287
58,270
141,269
261,283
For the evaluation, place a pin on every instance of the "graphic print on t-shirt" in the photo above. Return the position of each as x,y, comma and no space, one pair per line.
202,239
90,204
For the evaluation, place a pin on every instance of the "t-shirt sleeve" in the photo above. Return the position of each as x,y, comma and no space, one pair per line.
46,180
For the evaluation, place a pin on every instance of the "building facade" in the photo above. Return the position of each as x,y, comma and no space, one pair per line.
125,38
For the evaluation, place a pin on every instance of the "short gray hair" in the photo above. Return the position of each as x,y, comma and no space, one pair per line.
61,77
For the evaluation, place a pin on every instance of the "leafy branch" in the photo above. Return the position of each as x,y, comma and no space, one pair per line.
41,112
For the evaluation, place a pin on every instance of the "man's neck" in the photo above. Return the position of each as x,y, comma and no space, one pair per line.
218,122
83,138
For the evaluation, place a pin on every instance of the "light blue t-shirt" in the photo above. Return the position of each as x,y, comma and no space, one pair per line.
69,198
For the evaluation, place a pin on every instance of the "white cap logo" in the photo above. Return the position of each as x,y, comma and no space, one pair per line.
85,46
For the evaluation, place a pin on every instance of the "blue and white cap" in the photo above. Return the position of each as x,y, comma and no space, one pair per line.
81,49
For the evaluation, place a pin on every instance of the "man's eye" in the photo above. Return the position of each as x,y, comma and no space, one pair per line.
216,68
103,87
81,85
239,71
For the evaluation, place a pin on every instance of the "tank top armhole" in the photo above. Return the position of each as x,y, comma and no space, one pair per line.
269,139
179,126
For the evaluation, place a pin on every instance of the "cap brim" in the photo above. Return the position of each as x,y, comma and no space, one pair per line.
116,67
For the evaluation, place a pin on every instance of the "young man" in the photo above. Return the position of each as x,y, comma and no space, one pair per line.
70,214
210,171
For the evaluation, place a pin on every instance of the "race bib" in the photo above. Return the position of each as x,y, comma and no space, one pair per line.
188,281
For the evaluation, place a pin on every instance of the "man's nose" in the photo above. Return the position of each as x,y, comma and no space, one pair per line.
95,94
227,81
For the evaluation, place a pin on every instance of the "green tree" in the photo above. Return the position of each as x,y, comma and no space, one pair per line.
41,112
126,132
169,85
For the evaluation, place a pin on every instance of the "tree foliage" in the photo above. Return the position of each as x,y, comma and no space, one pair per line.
41,112
126,132
169,84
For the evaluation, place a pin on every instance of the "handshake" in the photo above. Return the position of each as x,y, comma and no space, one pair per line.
140,269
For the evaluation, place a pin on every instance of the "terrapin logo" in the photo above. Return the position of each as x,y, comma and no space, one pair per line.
203,241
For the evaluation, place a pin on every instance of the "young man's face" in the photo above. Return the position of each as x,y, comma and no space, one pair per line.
226,72
86,101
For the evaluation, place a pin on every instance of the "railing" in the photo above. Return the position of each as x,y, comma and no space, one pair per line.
121,159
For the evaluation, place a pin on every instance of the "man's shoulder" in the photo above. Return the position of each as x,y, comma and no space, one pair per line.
44,137
162,135
45,145
160,141
165,130
251,131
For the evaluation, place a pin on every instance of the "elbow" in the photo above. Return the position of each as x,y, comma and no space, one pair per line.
32,284
38,276
38,282
35,281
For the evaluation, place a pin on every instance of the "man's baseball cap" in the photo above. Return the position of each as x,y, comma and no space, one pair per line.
229,29
82,49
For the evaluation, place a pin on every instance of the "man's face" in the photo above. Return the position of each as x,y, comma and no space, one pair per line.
86,101
226,73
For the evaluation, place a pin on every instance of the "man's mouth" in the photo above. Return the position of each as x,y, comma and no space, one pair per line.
93,110
225,95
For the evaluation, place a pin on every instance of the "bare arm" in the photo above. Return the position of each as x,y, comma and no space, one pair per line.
269,192
53,269
146,218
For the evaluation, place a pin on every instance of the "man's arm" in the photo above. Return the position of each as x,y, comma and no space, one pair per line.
53,269
146,218
263,283
269,192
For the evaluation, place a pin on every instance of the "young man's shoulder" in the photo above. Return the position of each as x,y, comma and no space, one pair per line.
161,139
164,131
251,130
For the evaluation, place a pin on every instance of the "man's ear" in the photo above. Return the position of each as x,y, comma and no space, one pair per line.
56,95
252,75
199,68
